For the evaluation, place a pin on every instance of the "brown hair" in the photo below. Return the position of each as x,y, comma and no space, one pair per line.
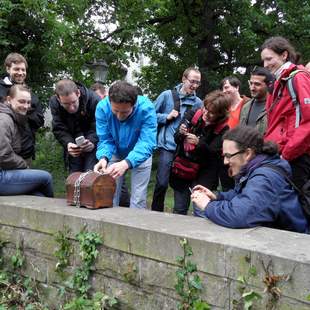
233,81
249,137
98,86
188,70
219,102
18,87
14,58
123,92
65,87
279,45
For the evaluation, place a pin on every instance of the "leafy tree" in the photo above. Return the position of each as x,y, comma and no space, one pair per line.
59,37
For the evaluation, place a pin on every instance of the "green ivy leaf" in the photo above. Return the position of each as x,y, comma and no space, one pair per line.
253,271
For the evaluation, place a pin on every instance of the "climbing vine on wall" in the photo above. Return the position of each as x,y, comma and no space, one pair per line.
189,284
16,291
79,283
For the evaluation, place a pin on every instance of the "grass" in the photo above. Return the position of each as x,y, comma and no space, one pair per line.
49,157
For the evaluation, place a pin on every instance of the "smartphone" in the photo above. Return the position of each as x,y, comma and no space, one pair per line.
79,140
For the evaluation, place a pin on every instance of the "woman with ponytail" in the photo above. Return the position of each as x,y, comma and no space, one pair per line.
262,196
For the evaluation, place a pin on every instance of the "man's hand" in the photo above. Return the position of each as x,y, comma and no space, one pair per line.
200,199
101,166
173,114
206,191
73,149
87,146
117,169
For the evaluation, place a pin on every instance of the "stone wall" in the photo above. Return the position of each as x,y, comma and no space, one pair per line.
148,242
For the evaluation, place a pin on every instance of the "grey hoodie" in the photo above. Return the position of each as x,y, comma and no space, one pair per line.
10,141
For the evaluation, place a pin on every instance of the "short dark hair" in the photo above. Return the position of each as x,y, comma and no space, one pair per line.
261,71
98,86
279,45
249,137
15,58
233,81
219,102
65,87
18,87
123,92
188,70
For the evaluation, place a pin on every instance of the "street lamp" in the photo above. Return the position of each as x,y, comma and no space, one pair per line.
100,69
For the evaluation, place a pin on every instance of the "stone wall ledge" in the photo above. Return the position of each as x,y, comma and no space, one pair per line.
151,241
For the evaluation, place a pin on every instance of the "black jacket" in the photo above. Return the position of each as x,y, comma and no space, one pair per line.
35,121
66,126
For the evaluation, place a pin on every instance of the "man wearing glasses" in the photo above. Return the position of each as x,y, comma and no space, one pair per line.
253,113
170,107
73,109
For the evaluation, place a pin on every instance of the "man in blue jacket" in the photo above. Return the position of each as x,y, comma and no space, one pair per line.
126,128
169,117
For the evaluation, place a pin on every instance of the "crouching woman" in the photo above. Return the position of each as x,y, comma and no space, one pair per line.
15,178
262,196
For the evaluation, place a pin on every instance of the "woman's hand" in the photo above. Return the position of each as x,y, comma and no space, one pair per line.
191,138
183,129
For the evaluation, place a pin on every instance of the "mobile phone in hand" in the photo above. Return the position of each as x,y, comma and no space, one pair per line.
79,140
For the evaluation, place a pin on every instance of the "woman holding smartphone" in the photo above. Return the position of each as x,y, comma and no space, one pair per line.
199,140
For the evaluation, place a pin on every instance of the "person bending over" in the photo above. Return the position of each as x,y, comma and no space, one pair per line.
262,196
15,178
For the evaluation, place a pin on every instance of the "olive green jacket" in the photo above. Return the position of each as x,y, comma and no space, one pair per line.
261,121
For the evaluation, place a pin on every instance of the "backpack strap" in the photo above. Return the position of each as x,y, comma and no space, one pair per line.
302,195
196,117
291,89
176,100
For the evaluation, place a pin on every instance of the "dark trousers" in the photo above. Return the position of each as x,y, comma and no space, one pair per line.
182,199
208,178
82,163
162,179
300,170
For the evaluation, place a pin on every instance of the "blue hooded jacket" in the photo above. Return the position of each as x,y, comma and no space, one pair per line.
262,197
164,105
133,139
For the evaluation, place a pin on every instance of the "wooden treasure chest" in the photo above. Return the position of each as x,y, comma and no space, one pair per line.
90,189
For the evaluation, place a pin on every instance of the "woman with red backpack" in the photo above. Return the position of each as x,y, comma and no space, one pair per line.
198,158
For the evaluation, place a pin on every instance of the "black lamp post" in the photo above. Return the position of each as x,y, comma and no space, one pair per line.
100,69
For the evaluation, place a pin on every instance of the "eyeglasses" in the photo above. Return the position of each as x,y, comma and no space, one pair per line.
194,81
229,156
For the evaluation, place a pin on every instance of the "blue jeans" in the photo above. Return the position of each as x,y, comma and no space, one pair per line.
162,179
140,177
26,182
